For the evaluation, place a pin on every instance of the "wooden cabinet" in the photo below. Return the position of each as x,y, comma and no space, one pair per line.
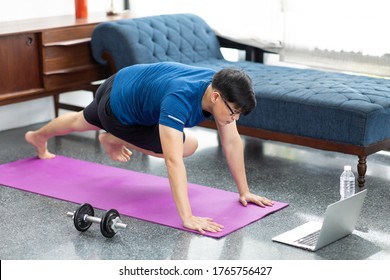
48,56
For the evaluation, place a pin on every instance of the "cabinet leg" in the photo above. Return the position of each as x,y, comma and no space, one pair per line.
56,99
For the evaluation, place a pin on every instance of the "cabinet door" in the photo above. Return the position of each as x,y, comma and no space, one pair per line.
20,68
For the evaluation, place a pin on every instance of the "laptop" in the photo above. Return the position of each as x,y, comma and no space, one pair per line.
340,220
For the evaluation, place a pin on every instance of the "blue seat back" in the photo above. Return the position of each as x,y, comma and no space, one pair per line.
184,38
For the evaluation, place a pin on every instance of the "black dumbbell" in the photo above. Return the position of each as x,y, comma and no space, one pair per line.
110,222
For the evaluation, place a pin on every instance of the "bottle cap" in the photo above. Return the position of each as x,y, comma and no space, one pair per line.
347,168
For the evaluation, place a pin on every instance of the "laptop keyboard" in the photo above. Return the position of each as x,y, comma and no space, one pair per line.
310,239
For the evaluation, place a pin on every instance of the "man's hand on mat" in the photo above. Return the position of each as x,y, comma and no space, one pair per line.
255,199
202,224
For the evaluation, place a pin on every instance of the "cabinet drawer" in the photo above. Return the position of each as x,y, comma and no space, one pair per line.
60,57
67,34
77,76
67,59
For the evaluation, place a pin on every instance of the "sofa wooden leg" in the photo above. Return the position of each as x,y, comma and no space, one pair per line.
362,168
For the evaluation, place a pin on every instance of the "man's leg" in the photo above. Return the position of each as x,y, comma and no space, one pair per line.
190,145
118,149
62,125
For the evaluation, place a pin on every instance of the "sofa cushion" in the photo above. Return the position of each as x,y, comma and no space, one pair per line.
184,38
317,104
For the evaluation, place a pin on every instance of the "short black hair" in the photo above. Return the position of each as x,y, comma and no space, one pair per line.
236,87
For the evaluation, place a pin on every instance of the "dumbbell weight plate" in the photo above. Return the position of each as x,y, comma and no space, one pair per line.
106,222
78,219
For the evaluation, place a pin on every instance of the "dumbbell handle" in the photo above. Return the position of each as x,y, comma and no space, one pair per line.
97,220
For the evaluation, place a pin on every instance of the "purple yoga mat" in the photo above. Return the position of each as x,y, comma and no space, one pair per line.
133,194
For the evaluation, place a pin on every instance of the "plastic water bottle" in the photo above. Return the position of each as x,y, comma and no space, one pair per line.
347,182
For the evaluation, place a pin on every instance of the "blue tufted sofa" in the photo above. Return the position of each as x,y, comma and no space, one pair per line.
317,109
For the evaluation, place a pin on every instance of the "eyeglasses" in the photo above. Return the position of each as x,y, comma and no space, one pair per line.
232,112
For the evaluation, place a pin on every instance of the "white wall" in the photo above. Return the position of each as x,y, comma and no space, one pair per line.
25,9
41,110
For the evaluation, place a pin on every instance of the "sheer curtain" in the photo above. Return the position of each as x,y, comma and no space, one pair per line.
347,35
255,22
344,35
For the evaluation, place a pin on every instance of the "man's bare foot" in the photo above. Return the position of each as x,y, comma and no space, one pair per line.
39,144
116,151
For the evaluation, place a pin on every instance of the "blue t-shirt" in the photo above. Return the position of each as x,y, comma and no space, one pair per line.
167,93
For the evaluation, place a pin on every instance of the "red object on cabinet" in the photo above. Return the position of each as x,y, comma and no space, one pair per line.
81,7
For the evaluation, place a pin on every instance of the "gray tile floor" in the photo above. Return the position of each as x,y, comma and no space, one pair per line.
36,227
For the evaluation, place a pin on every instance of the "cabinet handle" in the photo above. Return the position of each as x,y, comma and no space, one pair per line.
29,41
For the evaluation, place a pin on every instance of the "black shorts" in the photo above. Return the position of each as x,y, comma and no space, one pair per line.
99,114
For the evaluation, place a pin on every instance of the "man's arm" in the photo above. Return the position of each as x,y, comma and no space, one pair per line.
172,145
234,153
